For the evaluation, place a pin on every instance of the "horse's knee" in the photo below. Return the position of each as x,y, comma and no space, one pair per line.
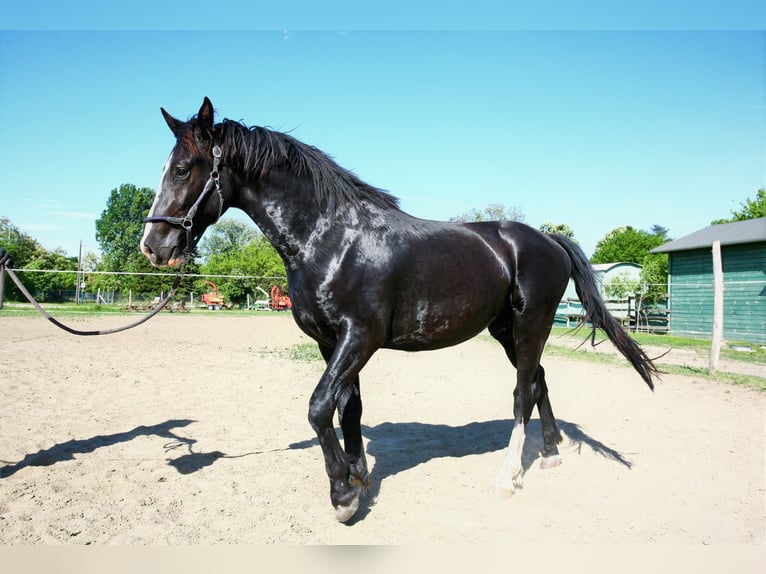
320,417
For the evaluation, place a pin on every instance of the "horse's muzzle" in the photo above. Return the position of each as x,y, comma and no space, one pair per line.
162,256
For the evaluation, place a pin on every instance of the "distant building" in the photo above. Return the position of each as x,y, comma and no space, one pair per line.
606,272
690,281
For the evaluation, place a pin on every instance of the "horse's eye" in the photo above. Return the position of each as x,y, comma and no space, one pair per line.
181,172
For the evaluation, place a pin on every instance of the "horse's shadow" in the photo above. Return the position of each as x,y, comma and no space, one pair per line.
185,464
398,447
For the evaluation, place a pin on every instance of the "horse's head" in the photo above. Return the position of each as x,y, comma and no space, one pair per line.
189,197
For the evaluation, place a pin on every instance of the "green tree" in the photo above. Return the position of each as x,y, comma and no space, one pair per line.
625,244
492,212
622,286
654,277
661,232
118,232
119,229
633,246
559,229
23,249
751,209
48,286
226,236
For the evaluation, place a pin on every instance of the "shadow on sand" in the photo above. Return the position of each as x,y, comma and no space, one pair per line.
401,446
397,447
64,451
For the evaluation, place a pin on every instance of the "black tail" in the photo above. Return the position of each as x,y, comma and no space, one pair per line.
597,314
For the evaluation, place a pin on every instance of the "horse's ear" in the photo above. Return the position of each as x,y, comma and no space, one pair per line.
174,124
203,132
205,115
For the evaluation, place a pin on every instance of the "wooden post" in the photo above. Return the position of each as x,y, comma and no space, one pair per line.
79,271
717,335
5,259
2,284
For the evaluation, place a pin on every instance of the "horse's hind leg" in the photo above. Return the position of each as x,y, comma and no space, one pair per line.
551,434
524,348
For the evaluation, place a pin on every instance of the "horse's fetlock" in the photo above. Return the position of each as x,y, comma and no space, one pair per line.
337,471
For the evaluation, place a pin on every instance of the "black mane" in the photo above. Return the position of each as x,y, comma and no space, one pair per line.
254,151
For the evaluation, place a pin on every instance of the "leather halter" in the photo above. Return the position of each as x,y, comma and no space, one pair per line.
186,221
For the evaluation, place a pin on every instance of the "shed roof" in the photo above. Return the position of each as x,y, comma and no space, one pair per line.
747,231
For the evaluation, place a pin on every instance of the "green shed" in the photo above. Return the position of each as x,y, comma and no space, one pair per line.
690,281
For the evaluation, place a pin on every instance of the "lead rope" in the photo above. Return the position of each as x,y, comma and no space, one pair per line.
5,259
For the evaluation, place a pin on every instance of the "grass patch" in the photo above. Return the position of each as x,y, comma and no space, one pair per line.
304,352
753,354
757,355
58,309
750,381
307,352
641,338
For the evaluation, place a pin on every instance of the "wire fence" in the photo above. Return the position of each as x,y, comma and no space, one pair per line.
241,291
691,313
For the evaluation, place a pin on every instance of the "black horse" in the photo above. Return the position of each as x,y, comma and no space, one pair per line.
364,275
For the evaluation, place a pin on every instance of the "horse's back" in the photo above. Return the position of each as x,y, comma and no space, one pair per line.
426,284
453,280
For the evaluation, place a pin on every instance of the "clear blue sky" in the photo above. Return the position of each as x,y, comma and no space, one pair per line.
596,126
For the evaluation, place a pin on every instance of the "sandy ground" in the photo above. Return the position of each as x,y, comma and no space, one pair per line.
193,430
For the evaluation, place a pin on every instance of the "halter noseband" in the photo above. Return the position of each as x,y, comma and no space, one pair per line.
187,221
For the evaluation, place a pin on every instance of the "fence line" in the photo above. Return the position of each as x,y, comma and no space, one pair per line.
707,284
130,297
148,274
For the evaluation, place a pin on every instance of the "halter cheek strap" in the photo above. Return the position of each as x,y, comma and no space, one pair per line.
213,182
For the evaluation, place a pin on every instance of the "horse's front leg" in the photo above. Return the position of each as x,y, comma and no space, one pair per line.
347,478
350,416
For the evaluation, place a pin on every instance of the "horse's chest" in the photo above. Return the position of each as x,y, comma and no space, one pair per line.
315,309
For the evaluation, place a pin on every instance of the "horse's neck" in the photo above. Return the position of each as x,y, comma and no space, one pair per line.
286,211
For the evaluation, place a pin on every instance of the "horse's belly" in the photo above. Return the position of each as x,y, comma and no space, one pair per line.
429,325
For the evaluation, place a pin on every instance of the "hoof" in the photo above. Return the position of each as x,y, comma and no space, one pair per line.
344,513
509,481
550,461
